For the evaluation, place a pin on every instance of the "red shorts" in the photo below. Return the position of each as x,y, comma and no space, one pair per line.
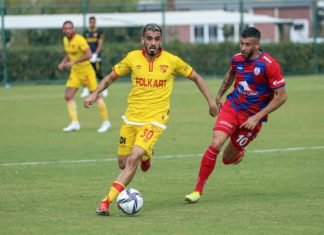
229,121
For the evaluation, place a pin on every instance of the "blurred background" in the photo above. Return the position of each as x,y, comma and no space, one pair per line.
205,33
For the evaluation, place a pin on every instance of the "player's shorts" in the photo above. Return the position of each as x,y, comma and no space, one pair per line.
144,136
229,121
85,76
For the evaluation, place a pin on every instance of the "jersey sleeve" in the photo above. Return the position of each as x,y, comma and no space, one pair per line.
123,67
101,34
233,65
83,43
275,76
182,68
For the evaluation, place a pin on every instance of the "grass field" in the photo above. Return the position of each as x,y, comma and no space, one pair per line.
51,182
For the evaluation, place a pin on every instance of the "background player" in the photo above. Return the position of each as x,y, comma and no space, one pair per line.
258,91
77,59
95,38
152,72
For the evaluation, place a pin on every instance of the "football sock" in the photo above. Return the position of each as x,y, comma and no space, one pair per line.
102,109
72,110
145,158
230,161
114,191
207,166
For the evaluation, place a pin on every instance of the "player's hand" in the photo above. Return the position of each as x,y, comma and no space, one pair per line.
68,64
94,57
213,109
89,101
61,66
251,122
219,104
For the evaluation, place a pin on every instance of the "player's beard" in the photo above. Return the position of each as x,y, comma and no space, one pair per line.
69,35
151,52
247,55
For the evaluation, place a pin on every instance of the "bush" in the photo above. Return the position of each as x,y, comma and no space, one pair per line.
40,63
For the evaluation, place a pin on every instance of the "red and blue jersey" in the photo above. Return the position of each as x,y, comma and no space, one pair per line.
255,82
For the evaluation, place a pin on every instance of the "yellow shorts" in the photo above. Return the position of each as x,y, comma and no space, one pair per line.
85,76
144,136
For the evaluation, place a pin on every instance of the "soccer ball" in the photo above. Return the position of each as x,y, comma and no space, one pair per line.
130,201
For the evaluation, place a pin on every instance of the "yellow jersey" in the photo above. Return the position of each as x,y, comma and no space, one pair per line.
152,84
74,50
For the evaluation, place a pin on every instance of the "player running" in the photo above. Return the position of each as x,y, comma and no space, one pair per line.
152,72
81,73
258,91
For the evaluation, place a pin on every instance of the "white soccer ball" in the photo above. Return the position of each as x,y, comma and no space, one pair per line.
130,201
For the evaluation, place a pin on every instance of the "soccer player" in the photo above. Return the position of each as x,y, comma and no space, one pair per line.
81,73
259,89
152,73
95,38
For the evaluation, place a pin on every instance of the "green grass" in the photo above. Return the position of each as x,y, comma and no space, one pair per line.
268,193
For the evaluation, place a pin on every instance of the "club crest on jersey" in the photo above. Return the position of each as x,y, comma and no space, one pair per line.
138,66
163,68
257,70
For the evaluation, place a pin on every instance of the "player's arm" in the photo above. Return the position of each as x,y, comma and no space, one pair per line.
61,65
105,83
226,84
98,49
279,98
200,83
87,54
100,44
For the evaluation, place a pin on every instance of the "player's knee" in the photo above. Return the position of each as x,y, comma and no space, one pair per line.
227,160
232,157
216,144
121,165
68,97
133,161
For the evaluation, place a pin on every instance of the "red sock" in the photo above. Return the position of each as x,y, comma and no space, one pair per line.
207,166
236,159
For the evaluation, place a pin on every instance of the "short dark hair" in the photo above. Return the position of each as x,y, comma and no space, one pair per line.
251,32
92,18
152,27
68,22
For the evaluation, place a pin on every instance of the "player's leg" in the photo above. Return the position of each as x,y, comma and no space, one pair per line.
146,161
146,137
106,125
97,67
123,179
72,86
235,150
232,155
225,125
127,137
91,82
125,145
207,165
85,92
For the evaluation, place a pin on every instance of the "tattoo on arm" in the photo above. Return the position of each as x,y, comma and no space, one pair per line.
106,84
227,82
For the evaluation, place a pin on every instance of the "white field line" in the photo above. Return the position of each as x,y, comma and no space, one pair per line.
155,157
